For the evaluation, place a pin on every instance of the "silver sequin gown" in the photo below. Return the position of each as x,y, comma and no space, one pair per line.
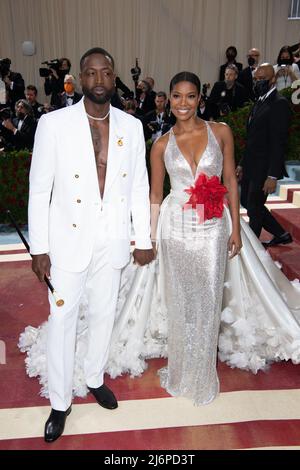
193,257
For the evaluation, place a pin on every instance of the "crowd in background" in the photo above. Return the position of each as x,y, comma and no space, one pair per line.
20,109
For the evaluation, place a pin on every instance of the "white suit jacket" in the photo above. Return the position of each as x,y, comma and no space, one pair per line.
64,195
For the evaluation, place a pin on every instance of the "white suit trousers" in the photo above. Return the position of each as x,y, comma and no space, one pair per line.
100,282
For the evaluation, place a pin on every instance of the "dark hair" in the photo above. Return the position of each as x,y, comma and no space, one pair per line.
285,49
97,50
186,77
130,104
233,49
64,59
232,67
32,88
161,94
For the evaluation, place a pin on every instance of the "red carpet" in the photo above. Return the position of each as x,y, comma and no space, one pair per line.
24,302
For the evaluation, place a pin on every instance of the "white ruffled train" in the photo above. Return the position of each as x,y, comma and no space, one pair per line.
260,320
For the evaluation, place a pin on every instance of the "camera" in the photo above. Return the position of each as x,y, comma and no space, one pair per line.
205,88
46,109
51,64
155,126
4,67
136,71
224,108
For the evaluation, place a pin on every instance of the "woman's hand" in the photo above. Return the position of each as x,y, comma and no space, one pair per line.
234,244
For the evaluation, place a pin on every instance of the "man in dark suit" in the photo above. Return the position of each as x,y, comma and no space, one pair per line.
245,77
263,161
14,84
228,95
69,95
156,122
231,53
144,98
31,97
19,133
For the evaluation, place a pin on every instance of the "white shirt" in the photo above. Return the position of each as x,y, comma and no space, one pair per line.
264,97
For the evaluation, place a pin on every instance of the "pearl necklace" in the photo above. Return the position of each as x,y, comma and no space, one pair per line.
98,118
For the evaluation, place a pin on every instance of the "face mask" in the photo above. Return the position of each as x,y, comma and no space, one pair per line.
251,61
284,62
69,88
261,87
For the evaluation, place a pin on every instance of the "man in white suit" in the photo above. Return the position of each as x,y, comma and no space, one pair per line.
88,178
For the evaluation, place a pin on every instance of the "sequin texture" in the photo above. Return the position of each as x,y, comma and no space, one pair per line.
194,258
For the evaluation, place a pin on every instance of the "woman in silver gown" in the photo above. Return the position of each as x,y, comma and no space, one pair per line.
182,290
193,246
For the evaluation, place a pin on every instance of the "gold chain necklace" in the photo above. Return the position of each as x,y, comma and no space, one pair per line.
98,118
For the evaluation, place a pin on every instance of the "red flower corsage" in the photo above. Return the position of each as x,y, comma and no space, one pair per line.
207,197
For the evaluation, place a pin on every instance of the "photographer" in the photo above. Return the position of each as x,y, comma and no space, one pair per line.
31,97
156,122
54,78
227,95
286,71
19,133
144,99
14,83
204,110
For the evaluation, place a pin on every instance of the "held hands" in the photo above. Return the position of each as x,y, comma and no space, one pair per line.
234,244
41,266
142,257
269,186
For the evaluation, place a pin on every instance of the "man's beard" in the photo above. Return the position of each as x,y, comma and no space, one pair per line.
98,99
229,84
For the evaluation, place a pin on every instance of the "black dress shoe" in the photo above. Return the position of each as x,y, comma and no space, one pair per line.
55,424
282,240
104,397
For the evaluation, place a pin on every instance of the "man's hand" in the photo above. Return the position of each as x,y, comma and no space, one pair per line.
7,80
8,125
239,173
54,73
41,266
270,186
142,257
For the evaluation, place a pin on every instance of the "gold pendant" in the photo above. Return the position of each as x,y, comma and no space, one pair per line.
120,141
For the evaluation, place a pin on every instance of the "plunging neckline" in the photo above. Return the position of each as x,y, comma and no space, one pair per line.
183,157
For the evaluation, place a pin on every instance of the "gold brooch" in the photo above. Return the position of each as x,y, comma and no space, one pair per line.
120,141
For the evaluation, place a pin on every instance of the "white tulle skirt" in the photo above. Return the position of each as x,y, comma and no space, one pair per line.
260,320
